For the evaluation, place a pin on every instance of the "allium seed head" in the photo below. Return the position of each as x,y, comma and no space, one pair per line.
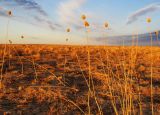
9,13
10,41
68,30
106,25
86,24
83,17
22,37
149,20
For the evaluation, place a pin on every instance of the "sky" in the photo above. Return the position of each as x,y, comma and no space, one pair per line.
46,21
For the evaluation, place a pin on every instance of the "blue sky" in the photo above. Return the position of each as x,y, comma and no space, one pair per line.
45,21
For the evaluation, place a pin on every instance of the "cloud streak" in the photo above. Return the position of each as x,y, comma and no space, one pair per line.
69,12
141,12
31,5
36,14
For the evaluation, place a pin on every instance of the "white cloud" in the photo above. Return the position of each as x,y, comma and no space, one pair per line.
141,12
69,12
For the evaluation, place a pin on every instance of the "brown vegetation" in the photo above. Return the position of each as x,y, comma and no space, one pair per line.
54,80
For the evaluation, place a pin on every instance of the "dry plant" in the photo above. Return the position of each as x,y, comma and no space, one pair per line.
149,20
91,85
9,13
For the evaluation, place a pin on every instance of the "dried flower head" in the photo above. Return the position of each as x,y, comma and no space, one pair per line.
9,13
22,37
149,20
106,25
10,41
86,24
83,17
68,30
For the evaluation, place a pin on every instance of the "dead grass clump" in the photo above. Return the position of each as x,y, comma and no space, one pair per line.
39,95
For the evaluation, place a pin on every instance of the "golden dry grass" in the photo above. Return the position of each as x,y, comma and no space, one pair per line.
120,81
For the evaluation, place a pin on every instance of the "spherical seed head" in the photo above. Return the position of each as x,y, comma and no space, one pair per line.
106,25
86,24
149,20
22,37
68,29
83,17
10,41
9,13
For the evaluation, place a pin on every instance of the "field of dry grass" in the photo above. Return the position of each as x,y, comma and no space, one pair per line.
55,80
